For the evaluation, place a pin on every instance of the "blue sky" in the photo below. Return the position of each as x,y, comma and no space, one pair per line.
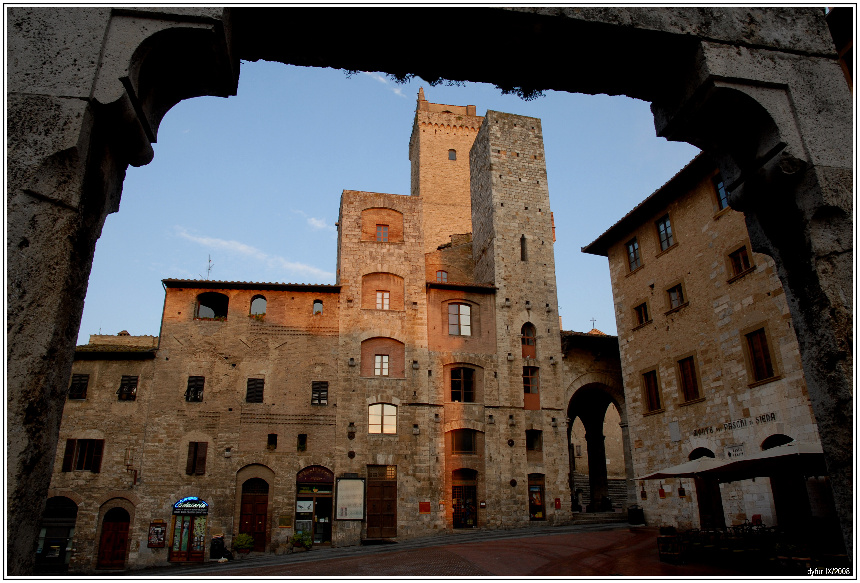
255,181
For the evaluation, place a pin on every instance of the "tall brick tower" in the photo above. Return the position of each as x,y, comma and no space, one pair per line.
439,152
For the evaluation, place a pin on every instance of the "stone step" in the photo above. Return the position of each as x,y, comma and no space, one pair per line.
598,517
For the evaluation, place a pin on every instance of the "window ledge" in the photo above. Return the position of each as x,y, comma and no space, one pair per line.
673,310
667,249
383,377
381,310
638,269
738,276
642,325
654,412
693,402
722,212
765,381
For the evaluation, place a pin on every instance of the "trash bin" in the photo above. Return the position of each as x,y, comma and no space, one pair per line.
216,548
635,515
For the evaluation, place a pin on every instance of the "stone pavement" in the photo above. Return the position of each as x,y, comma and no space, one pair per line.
570,551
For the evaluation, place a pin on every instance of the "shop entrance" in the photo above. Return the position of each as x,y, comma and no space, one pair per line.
314,488
381,501
537,509
464,495
114,539
55,537
189,530
255,507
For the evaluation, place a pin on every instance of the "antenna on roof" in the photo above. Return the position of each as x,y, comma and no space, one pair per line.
208,269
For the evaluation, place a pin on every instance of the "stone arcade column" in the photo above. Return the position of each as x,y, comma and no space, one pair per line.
598,483
87,88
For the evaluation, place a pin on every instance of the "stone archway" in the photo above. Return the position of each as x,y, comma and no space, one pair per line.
76,124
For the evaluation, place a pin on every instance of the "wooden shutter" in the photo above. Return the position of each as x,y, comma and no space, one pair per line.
192,456
255,391
69,455
200,466
98,448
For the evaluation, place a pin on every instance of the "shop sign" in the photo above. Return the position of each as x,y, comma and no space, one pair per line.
304,505
735,424
734,451
157,530
349,499
191,505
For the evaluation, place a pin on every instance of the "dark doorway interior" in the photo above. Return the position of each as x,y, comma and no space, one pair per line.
55,536
464,495
255,505
113,543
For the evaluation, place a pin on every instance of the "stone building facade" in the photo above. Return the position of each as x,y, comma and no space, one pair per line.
426,391
710,360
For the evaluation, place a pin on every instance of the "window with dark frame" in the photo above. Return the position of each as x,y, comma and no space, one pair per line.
319,393
641,314
633,259
664,232
302,442
722,193
463,384
380,365
534,440
652,391
463,441
127,388
459,320
689,384
194,392
531,380
254,394
272,441
676,296
78,388
441,276
529,340
318,307
762,366
383,300
84,455
740,261
382,418
195,464
382,233
452,154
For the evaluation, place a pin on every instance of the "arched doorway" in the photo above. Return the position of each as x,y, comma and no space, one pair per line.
314,490
464,498
113,543
55,535
254,510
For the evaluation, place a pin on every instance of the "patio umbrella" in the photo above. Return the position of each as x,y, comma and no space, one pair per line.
686,469
792,458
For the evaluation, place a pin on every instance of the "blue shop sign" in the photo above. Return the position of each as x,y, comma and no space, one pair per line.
191,505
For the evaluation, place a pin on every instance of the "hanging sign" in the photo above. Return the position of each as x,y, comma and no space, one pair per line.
349,499
191,505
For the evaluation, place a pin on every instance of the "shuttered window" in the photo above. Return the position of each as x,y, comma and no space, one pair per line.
127,388
194,392
83,455
78,388
319,393
759,355
687,368
652,391
196,464
255,391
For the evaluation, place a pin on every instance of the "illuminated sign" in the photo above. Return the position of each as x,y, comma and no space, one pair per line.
191,505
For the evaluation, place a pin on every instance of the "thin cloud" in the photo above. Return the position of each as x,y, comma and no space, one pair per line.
240,248
393,88
320,224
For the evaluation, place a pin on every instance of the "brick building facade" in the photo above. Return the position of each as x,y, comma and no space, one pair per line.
427,390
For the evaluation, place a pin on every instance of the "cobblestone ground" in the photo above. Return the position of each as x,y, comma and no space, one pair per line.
620,552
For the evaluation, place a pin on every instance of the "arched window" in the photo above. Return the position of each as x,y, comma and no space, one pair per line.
211,306
775,441
452,154
529,341
258,306
317,307
700,452
382,418
441,276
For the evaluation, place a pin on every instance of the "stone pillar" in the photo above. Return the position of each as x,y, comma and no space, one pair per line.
628,463
597,478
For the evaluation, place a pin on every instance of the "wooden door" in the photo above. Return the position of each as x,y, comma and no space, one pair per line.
381,508
255,505
114,540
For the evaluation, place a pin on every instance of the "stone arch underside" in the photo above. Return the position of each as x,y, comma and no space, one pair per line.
75,126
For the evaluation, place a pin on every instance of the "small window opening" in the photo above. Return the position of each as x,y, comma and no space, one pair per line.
318,307
534,440
194,392
441,276
258,306
255,391
211,306
452,154
382,233
272,441
127,388
524,255
302,442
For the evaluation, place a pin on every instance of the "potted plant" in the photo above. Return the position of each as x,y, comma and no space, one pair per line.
243,543
301,541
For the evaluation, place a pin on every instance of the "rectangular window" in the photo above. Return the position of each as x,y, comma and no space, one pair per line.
524,253
652,391
382,418
272,441
530,380
534,440
722,193
78,388
127,388
740,261
254,393
459,320
83,455
194,392
689,384
641,314
302,442
664,232
382,233
319,393
463,384
441,276
463,441
380,365
195,464
676,297
633,259
382,300
762,366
